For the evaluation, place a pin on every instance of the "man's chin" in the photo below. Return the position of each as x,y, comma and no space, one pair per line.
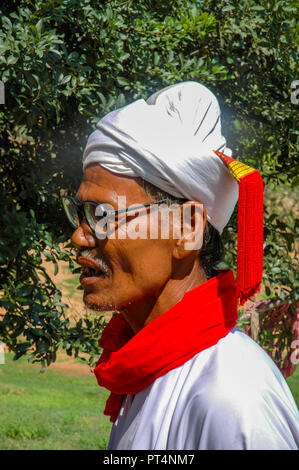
92,302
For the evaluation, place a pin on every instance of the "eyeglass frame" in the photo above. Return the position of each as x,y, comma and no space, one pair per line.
81,211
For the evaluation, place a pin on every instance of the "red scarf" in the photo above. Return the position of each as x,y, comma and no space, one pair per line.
129,363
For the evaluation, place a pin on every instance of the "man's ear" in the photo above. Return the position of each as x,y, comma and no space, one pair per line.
194,219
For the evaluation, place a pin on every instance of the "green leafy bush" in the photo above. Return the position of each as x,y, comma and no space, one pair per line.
67,63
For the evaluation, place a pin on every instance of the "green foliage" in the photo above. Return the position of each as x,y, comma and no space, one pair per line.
67,63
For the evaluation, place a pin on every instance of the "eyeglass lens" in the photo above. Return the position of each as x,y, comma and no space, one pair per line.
74,213
71,212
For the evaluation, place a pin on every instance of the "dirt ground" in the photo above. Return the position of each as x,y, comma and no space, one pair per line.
65,365
71,367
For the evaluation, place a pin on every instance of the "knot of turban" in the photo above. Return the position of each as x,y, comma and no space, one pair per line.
169,141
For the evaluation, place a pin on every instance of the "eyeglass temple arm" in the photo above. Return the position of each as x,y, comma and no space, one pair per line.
140,206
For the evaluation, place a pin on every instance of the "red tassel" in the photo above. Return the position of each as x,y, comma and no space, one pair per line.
250,236
250,227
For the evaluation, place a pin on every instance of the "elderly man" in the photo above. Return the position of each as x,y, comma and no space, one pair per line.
181,375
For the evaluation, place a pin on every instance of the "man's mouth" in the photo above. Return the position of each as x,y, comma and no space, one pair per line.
90,270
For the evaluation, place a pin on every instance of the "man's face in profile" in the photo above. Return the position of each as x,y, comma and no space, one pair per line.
119,272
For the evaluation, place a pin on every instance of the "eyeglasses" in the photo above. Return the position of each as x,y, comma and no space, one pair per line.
94,212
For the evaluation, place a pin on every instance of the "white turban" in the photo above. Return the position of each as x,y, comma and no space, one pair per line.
168,141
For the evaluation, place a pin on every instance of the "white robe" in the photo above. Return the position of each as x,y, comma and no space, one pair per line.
229,396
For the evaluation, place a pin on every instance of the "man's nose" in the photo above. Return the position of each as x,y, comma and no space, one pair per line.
83,237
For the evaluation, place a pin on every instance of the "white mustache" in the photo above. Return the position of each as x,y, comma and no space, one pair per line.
99,261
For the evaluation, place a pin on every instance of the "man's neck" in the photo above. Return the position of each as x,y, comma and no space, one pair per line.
144,311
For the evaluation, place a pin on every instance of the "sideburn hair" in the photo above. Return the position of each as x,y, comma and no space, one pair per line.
212,250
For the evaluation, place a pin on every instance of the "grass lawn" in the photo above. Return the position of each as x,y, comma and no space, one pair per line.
54,411
50,410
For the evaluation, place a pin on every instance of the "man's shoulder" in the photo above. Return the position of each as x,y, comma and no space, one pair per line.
236,364
225,397
239,396
234,371
237,377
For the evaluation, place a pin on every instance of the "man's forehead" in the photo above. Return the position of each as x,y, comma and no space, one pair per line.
101,185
